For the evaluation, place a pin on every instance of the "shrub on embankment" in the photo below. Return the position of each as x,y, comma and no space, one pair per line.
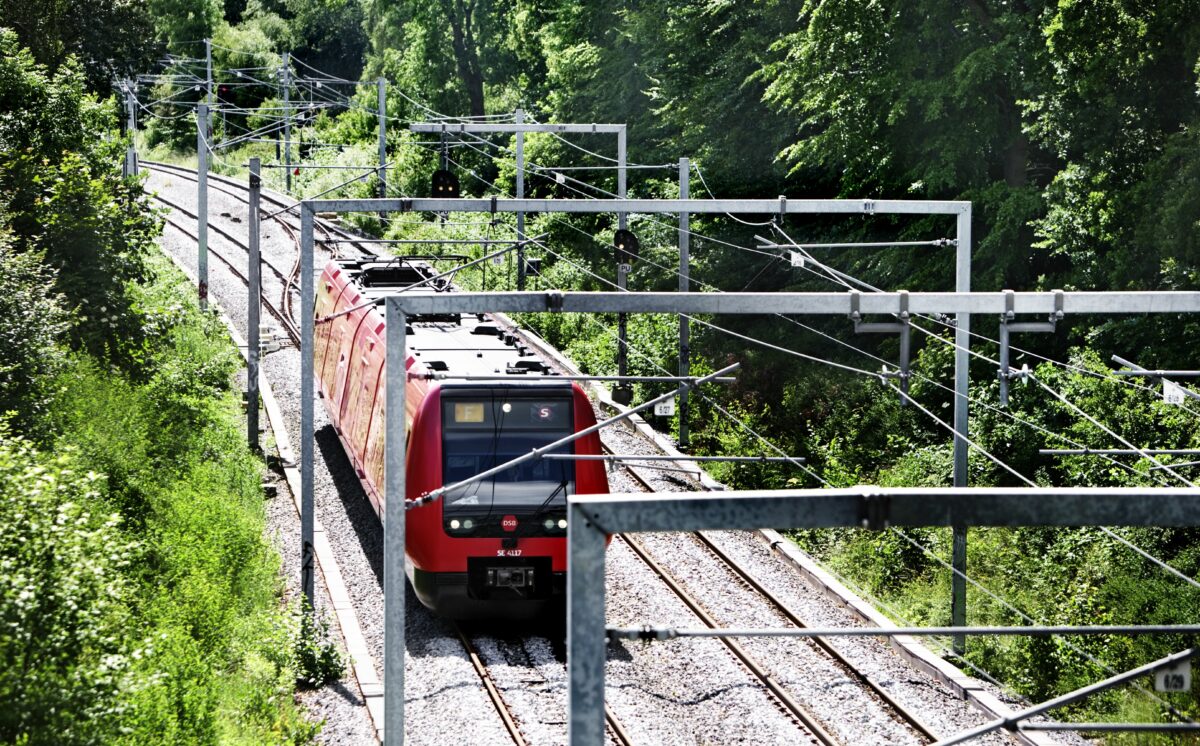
139,601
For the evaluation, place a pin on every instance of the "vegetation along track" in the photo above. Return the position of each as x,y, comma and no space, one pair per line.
793,707
238,191
779,694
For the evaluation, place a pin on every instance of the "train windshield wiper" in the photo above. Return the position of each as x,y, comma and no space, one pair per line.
542,509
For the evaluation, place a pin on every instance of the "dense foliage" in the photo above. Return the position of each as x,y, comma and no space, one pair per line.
139,599
1069,126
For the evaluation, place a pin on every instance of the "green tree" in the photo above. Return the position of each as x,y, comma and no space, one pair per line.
65,199
922,100
111,38
32,323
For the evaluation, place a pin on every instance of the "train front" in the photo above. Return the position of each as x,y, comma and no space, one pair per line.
496,547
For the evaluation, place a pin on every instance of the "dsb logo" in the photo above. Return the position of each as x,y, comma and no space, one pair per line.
509,523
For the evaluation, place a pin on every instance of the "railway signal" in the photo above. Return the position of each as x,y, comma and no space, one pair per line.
445,184
627,245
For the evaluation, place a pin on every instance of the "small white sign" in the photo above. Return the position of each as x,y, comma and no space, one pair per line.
498,259
624,268
1175,679
797,259
560,177
665,408
1172,392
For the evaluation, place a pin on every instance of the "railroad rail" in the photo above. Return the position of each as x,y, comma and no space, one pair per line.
795,709
617,732
237,190
280,315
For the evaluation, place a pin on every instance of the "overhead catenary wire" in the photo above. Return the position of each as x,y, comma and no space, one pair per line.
845,284
966,576
604,280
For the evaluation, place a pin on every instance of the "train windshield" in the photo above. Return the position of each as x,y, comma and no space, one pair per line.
481,432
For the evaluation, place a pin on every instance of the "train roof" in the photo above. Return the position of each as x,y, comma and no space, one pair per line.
454,345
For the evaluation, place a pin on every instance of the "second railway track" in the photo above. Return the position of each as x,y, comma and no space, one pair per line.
779,690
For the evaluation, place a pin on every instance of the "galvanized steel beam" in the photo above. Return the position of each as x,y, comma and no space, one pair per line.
395,490
480,128
694,206
880,507
823,304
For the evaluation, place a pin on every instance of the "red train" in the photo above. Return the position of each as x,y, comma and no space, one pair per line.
495,548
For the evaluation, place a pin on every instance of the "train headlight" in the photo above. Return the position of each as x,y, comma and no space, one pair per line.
468,524
549,524
454,524
562,523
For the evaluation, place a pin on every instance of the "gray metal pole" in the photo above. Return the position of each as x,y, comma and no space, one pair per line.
208,76
962,340
382,89
393,530
622,323
202,203
287,120
254,302
685,363
307,519
586,646
519,118
131,167
1153,374
622,222
621,187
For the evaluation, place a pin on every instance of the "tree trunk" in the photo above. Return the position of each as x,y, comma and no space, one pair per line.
466,56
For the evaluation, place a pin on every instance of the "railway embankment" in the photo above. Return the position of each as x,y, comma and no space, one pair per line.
145,598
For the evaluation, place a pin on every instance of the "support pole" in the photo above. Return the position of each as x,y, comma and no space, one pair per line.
381,84
685,363
586,647
393,529
307,518
202,203
131,166
519,118
962,341
286,72
208,76
622,223
254,302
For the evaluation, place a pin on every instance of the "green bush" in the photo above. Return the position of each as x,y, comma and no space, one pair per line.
65,601
216,659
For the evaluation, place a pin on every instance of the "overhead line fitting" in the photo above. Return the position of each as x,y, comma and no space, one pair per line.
1007,373
902,326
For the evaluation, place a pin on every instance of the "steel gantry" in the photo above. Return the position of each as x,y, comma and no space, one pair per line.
781,207
956,508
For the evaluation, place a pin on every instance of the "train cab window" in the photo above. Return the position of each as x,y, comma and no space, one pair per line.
481,432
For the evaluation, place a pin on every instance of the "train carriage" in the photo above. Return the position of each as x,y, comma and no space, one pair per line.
475,398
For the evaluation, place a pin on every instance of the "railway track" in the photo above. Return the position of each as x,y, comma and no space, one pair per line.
282,215
283,317
511,719
616,731
802,714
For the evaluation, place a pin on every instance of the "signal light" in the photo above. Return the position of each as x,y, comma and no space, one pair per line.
627,245
445,184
